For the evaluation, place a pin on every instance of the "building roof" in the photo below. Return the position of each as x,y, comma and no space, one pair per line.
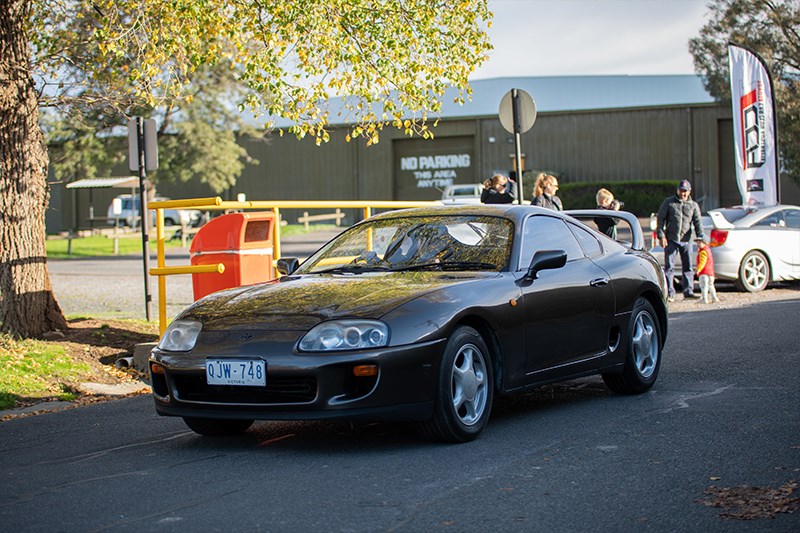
563,93
97,183
574,93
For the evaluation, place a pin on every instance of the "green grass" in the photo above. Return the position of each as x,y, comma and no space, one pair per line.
131,244
32,370
100,245
300,229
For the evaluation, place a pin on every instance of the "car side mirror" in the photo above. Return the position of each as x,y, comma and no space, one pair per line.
287,265
546,260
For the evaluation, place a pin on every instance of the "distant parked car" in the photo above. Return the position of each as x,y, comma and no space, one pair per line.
755,246
129,215
462,194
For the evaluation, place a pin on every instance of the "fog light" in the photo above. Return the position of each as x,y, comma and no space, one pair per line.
363,371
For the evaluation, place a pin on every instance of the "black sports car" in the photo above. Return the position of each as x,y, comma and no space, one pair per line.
420,314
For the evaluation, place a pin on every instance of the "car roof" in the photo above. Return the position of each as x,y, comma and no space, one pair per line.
511,211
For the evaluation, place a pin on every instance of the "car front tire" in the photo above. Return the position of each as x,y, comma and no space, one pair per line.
465,389
754,272
643,359
217,427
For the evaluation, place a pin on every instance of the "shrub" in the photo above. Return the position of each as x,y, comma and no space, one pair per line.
640,197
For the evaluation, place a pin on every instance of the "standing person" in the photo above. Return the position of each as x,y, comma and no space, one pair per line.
705,269
677,217
498,190
608,225
544,192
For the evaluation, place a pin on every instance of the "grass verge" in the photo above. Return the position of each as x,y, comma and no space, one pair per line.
100,245
131,243
34,370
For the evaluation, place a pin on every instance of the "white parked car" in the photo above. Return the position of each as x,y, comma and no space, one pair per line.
127,216
462,194
754,246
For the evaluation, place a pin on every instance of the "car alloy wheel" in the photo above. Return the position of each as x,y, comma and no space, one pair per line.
643,357
469,387
644,344
465,389
753,273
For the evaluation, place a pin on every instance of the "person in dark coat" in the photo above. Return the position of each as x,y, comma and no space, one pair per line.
499,190
544,193
608,225
678,217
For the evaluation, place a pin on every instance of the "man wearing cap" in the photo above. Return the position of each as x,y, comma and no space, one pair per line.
677,217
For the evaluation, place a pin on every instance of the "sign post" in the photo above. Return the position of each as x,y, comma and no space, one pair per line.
143,156
517,115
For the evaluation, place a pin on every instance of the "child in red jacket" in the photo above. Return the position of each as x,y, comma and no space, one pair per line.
705,269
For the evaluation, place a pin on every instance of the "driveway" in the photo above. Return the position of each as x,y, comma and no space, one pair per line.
114,286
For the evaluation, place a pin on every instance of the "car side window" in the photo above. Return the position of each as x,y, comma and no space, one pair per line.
591,246
775,220
547,233
792,218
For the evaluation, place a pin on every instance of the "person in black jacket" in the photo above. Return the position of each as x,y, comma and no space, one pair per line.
608,225
678,216
499,190
544,192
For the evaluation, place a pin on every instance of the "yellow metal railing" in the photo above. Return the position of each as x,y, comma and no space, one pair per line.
217,204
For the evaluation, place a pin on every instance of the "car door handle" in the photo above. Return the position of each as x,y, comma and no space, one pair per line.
599,282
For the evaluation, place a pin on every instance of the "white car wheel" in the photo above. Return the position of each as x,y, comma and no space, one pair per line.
754,273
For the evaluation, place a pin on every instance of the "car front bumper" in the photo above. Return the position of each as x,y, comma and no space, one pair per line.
305,386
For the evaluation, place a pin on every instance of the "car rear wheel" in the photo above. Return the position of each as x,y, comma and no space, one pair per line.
643,359
753,272
217,427
465,389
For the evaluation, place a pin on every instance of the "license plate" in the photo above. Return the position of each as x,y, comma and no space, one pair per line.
243,372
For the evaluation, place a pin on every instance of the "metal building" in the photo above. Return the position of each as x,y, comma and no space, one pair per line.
598,129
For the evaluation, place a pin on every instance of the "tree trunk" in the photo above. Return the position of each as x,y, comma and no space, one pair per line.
28,307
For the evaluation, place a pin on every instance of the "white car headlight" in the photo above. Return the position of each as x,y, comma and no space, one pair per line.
350,334
180,336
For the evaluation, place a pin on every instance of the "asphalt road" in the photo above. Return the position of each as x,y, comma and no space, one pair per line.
114,286
570,457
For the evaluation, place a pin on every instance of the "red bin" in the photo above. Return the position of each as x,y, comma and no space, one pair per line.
240,241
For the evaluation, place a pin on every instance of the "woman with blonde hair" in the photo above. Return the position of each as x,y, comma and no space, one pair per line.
605,200
544,192
499,190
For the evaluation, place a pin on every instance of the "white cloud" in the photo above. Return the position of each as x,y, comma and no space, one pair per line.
585,37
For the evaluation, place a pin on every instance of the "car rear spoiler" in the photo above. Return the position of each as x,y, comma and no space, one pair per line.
719,220
637,236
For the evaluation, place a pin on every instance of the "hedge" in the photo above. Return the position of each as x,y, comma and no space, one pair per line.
640,197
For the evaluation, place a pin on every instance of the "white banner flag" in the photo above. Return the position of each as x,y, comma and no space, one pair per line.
754,127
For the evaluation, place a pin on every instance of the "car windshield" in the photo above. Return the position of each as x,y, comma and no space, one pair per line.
463,242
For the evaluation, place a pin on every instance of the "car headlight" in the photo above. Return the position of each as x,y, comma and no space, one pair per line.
345,335
180,336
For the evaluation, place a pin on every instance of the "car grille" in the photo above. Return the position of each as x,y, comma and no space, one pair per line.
278,390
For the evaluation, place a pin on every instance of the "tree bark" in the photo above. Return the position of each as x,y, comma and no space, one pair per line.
28,307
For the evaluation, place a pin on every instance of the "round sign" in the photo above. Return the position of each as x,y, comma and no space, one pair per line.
527,111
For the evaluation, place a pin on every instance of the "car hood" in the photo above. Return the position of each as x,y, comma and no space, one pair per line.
297,303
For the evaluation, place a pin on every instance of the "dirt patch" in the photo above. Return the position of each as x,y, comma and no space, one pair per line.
752,503
104,341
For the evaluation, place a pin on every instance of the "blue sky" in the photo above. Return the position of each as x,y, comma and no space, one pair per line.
592,37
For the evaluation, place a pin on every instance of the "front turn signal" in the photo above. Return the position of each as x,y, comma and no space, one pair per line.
364,371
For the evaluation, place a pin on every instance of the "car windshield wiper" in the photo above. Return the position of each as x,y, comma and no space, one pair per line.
449,265
351,269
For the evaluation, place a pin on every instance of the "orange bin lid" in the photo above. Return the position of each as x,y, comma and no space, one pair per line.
234,231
